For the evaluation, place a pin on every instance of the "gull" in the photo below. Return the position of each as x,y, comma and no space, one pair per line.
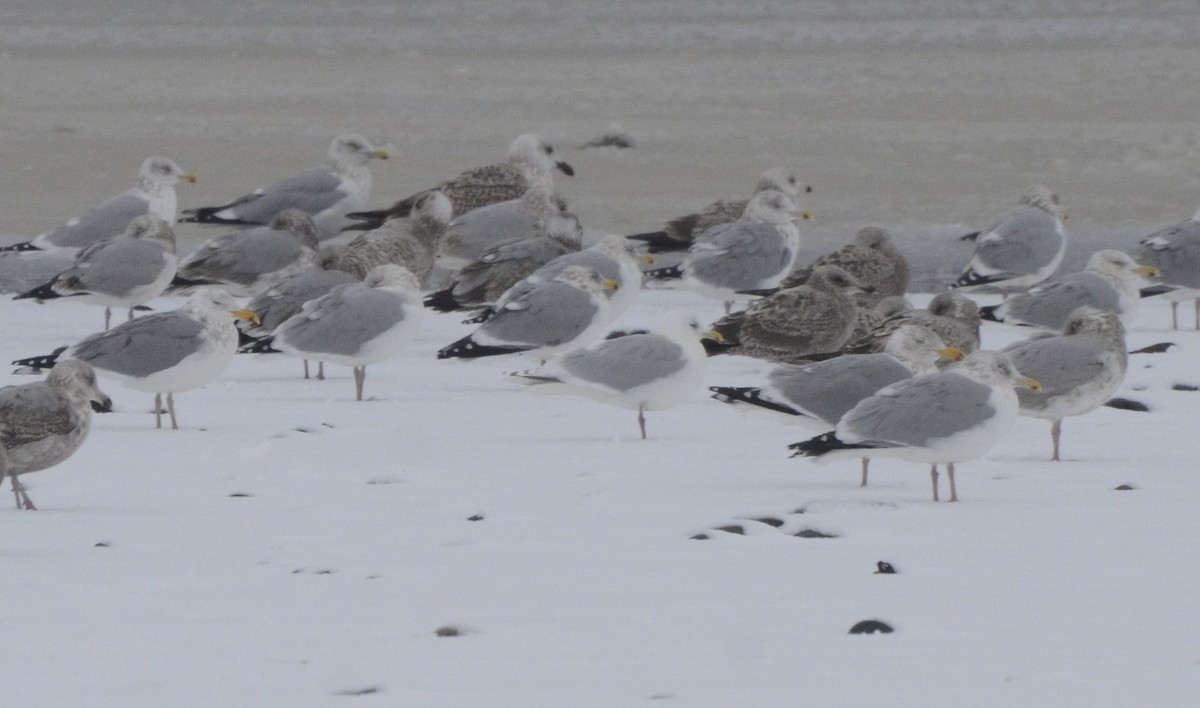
166,352
1110,281
153,195
470,235
872,258
530,162
44,423
410,242
814,318
756,252
1079,369
820,393
944,418
647,371
541,319
1022,247
678,233
327,193
246,263
1175,252
125,271
355,325
952,316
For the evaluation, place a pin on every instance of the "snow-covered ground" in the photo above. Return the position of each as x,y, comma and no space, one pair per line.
290,546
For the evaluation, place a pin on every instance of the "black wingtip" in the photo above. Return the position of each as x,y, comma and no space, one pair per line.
39,363
1153,290
660,242
822,444
259,345
41,293
991,313
21,247
750,395
482,316
669,273
1127,404
180,284
443,301
714,348
565,169
468,348
1158,348
969,237
970,279
208,215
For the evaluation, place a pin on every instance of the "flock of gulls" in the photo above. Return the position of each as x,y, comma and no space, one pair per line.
302,268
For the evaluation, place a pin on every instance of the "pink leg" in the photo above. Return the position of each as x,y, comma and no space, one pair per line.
171,410
1055,433
1174,315
1196,305
865,462
158,410
306,369
360,375
950,474
642,421
933,477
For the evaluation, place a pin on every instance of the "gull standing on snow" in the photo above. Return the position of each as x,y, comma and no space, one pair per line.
678,233
44,423
410,242
530,162
756,252
1079,370
327,193
1022,247
944,418
246,263
153,195
167,352
541,319
355,325
1110,282
642,371
819,394
1175,252
126,271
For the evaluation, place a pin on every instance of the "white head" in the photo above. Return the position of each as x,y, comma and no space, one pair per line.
919,348
151,228
771,206
1043,198
534,152
352,149
157,172
995,369
1118,264
781,180
587,279
77,381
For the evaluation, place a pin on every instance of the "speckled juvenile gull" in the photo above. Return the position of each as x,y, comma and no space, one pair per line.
246,263
756,252
643,371
819,394
952,316
1079,369
530,162
944,418
355,325
481,283
813,318
125,271
166,352
1175,252
678,233
542,319
872,258
327,193
1022,247
44,423
153,195
471,235
410,242
1111,281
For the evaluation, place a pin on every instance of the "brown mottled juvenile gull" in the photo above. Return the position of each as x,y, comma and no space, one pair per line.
944,418
246,263
1175,252
165,352
44,423
813,318
644,371
327,193
481,283
540,319
411,242
1079,369
872,258
678,233
153,195
125,271
530,162
952,316
820,393
1022,247
355,325
1111,281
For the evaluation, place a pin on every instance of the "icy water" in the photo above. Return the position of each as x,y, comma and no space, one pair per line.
926,117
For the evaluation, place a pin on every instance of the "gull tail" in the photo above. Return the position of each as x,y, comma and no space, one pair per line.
181,284
468,348
991,313
210,215
659,242
443,301
259,345
40,293
37,364
749,394
21,247
825,444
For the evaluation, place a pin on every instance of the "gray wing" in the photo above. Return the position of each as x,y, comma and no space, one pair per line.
917,411
342,321
590,258
1175,251
1022,240
828,389
143,346
737,256
1051,304
469,235
243,257
545,315
312,191
285,299
626,362
103,221
1062,365
33,412
114,267
685,229
486,279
